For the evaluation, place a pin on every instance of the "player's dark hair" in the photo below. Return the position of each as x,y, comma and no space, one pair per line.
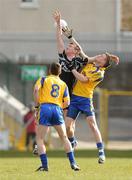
55,69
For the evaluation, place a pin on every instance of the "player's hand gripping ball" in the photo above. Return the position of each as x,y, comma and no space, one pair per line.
63,23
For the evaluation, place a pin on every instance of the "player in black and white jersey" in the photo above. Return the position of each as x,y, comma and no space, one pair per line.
66,74
69,55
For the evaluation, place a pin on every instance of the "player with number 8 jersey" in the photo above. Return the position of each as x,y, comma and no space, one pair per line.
51,95
52,90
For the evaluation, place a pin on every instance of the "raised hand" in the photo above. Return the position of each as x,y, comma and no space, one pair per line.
67,32
113,58
57,16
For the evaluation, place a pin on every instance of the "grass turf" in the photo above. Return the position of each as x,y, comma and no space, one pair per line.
21,166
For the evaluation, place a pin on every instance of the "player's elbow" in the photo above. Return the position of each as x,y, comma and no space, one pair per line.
66,104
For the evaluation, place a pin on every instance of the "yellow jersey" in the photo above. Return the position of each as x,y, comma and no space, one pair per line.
52,90
95,76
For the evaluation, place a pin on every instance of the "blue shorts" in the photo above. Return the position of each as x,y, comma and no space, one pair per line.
50,115
80,104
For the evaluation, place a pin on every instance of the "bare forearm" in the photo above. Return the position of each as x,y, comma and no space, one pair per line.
82,54
36,97
60,43
91,59
79,76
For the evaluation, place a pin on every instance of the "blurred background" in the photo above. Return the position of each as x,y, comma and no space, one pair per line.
28,46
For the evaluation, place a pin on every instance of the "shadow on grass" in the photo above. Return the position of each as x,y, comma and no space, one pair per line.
61,153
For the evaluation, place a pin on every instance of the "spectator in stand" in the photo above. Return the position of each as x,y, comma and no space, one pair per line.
30,125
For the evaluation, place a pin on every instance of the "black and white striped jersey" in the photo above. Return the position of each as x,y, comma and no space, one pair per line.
66,75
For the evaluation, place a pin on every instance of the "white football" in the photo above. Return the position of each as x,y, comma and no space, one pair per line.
63,23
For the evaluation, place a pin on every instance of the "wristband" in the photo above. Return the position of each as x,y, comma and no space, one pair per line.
36,107
69,37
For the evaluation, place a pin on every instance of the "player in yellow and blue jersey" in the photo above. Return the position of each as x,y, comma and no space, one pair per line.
51,96
67,56
81,101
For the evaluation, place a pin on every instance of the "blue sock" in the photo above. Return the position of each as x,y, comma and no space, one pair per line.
72,139
44,160
71,157
100,147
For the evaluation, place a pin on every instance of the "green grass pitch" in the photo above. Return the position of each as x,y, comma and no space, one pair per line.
21,166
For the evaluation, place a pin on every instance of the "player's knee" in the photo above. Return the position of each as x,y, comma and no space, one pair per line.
63,138
69,129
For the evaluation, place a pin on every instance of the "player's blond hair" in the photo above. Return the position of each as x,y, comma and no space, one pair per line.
111,58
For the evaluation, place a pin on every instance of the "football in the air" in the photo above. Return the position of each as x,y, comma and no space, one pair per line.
63,23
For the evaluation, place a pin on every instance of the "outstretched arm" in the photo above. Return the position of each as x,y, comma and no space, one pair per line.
60,42
68,33
82,54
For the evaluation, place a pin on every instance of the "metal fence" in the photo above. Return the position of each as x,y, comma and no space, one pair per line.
113,111
19,79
